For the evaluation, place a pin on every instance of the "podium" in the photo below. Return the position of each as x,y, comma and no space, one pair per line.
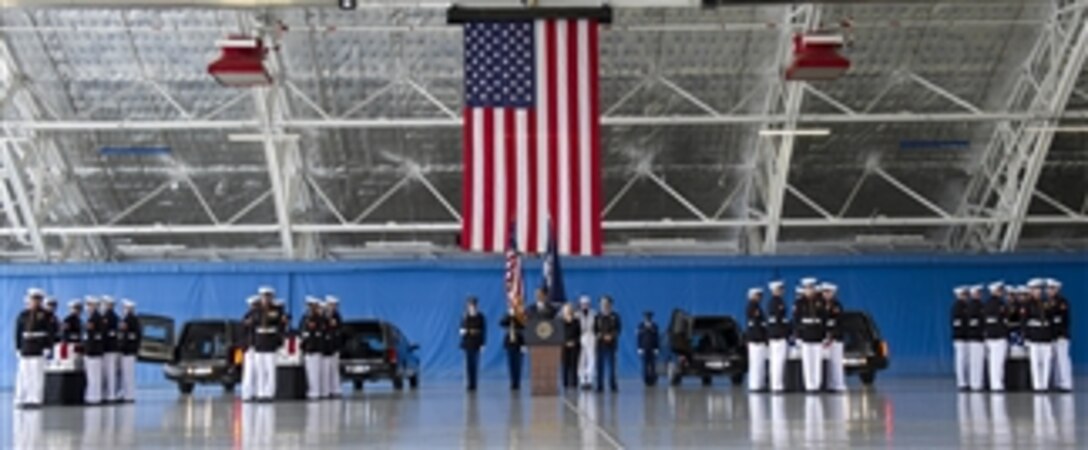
544,338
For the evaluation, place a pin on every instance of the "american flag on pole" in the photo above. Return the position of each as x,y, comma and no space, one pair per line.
531,135
515,286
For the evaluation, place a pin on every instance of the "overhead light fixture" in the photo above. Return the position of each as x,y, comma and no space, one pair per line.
1060,129
795,132
260,138
240,63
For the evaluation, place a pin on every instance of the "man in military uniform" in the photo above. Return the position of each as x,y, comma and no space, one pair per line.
587,358
514,343
959,338
54,321
607,329
249,368
996,335
648,343
778,329
312,326
755,333
32,340
1014,302
473,338
333,342
111,359
93,350
809,321
836,370
1059,324
269,324
129,335
72,327
976,348
1039,336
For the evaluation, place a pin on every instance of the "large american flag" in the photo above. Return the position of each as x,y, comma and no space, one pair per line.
531,135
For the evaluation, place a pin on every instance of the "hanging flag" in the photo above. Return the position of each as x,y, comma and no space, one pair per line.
531,135
515,286
552,276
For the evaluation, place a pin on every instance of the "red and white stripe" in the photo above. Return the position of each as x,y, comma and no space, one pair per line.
535,166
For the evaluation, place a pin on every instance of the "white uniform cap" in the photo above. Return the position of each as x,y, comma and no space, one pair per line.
1036,283
808,281
74,303
959,290
996,286
777,284
92,300
35,292
829,287
799,290
331,299
585,300
128,303
311,300
1022,289
107,299
1050,282
253,299
976,288
266,290
51,300
277,302
752,292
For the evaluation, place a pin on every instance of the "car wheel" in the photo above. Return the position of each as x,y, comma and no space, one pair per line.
738,379
398,383
357,384
867,378
707,380
228,387
186,388
413,381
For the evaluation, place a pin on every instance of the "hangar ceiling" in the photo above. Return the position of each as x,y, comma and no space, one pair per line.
955,131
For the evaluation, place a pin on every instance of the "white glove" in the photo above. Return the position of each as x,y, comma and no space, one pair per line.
640,351
524,350
462,332
482,348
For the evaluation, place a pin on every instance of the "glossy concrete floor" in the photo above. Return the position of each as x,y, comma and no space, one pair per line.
903,413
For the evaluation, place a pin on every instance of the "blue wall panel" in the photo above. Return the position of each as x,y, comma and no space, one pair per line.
909,296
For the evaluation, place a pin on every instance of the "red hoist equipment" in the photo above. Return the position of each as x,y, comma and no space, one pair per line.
241,63
816,57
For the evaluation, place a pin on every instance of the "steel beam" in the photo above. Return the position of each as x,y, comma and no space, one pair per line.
13,172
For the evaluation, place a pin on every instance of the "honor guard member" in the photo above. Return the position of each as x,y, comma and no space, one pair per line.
836,370
72,327
607,329
1039,336
572,335
960,353
111,359
648,344
249,368
473,338
312,326
996,335
334,339
1059,324
54,321
93,349
269,324
778,330
755,333
129,335
976,348
514,342
1014,301
32,339
809,318
587,358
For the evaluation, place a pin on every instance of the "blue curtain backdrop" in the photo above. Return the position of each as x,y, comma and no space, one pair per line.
909,296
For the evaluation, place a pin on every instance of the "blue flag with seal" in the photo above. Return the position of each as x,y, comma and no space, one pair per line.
552,276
